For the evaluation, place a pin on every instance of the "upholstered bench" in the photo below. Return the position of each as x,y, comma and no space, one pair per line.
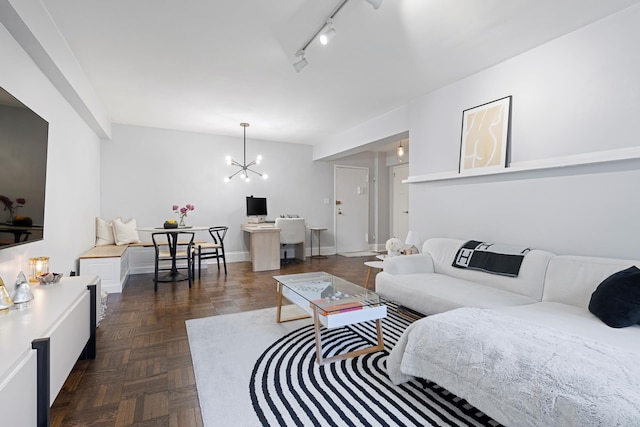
111,263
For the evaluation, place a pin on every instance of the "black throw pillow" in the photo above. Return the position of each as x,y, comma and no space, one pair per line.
616,301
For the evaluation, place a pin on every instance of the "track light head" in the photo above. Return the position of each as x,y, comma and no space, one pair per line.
374,3
301,63
325,32
327,35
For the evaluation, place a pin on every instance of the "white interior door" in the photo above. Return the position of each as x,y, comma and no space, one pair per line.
351,209
399,202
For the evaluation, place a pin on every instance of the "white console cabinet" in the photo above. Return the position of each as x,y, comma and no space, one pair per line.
39,346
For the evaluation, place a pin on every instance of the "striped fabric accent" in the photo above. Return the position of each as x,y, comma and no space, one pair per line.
289,389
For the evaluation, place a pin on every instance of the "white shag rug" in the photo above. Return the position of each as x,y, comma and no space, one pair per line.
237,343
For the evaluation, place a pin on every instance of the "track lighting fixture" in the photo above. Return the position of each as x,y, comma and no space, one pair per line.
374,3
326,34
301,63
244,167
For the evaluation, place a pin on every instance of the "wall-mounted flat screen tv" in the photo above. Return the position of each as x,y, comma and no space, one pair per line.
23,171
256,206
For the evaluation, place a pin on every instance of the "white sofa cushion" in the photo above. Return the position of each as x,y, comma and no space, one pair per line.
577,321
529,282
572,279
435,293
409,264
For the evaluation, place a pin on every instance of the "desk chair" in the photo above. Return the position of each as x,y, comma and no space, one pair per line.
292,232
211,250
172,246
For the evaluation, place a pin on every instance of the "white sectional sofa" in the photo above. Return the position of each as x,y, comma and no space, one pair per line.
524,350
428,283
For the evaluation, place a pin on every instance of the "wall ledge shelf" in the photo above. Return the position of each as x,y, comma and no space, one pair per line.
593,158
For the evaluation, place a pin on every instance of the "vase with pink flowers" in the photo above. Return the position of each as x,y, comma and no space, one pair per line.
182,212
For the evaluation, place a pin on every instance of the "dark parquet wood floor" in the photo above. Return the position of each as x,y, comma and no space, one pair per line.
143,375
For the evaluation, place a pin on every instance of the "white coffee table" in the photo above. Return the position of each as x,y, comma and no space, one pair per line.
332,302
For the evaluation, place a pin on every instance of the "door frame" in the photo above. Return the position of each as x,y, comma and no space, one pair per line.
392,199
335,206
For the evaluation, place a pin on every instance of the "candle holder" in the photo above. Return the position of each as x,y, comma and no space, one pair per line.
37,267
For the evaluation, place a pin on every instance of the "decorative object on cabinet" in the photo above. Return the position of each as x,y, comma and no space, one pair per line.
50,278
37,267
485,136
22,293
5,299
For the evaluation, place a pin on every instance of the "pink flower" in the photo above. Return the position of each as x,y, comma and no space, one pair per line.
21,201
183,211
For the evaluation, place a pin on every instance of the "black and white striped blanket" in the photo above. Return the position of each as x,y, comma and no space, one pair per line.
491,257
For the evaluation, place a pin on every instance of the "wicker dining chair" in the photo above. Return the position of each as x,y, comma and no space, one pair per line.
172,246
213,249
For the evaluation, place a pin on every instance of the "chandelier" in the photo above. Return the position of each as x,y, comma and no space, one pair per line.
244,167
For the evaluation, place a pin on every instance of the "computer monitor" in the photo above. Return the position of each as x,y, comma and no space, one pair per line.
256,206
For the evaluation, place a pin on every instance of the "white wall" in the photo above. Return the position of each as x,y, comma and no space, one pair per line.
147,170
73,170
576,94
394,122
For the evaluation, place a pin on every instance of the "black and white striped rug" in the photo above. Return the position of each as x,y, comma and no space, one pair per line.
288,388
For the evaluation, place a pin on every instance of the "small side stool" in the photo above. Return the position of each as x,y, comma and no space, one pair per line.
317,231
372,264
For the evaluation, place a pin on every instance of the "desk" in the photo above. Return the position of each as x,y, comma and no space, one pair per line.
264,246
174,274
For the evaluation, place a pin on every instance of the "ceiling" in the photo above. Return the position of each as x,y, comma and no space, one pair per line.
207,65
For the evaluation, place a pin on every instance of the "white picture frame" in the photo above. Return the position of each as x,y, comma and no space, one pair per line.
485,138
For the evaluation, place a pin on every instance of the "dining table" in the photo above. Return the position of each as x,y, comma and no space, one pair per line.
174,274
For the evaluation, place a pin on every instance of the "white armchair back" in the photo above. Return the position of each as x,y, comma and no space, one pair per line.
292,230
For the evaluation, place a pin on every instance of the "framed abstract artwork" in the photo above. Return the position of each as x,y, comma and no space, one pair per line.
485,136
